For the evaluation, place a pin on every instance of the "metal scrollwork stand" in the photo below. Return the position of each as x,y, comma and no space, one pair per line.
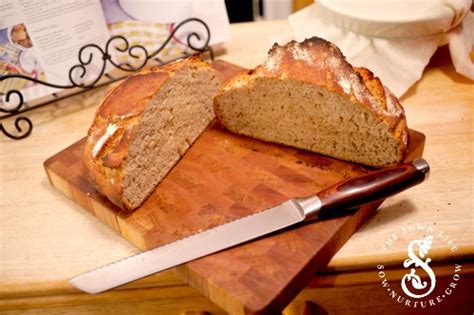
23,124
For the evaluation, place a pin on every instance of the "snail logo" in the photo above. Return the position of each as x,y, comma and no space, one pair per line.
424,245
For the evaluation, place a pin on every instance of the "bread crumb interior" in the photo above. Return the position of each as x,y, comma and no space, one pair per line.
173,120
310,118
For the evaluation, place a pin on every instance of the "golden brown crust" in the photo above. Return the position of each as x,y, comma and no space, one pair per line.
374,85
114,127
130,97
321,63
388,103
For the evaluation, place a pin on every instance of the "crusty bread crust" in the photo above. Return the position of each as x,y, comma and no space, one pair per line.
105,153
320,63
388,103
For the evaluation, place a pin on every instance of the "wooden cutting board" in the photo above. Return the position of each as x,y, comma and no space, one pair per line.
221,178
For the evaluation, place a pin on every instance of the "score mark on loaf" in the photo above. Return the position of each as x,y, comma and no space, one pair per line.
305,95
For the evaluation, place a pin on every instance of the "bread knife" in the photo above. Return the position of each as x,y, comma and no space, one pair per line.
340,199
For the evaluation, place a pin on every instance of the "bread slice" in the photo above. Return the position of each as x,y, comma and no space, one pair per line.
144,126
306,95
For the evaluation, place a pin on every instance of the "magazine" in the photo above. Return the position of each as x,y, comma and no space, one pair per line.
42,39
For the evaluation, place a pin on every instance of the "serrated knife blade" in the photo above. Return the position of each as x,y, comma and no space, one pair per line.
335,200
189,248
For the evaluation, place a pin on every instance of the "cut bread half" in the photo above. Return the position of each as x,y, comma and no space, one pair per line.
306,95
144,126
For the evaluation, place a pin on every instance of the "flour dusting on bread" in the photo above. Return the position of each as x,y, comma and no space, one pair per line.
109,132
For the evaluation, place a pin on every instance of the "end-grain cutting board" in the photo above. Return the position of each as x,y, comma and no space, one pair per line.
223,177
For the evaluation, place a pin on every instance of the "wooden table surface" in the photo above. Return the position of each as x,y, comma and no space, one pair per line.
45,238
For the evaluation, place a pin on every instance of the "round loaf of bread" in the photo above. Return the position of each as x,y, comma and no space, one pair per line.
144,126
306,95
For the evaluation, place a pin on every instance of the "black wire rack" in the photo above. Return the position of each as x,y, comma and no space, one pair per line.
138,53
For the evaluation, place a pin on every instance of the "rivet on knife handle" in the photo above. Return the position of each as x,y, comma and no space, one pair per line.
353,193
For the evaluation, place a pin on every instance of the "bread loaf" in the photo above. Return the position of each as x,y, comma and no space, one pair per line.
143,127
306,95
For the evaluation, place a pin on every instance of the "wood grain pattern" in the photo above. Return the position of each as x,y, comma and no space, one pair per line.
223,177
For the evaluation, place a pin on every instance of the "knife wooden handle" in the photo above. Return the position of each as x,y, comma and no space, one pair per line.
378,185
343,197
